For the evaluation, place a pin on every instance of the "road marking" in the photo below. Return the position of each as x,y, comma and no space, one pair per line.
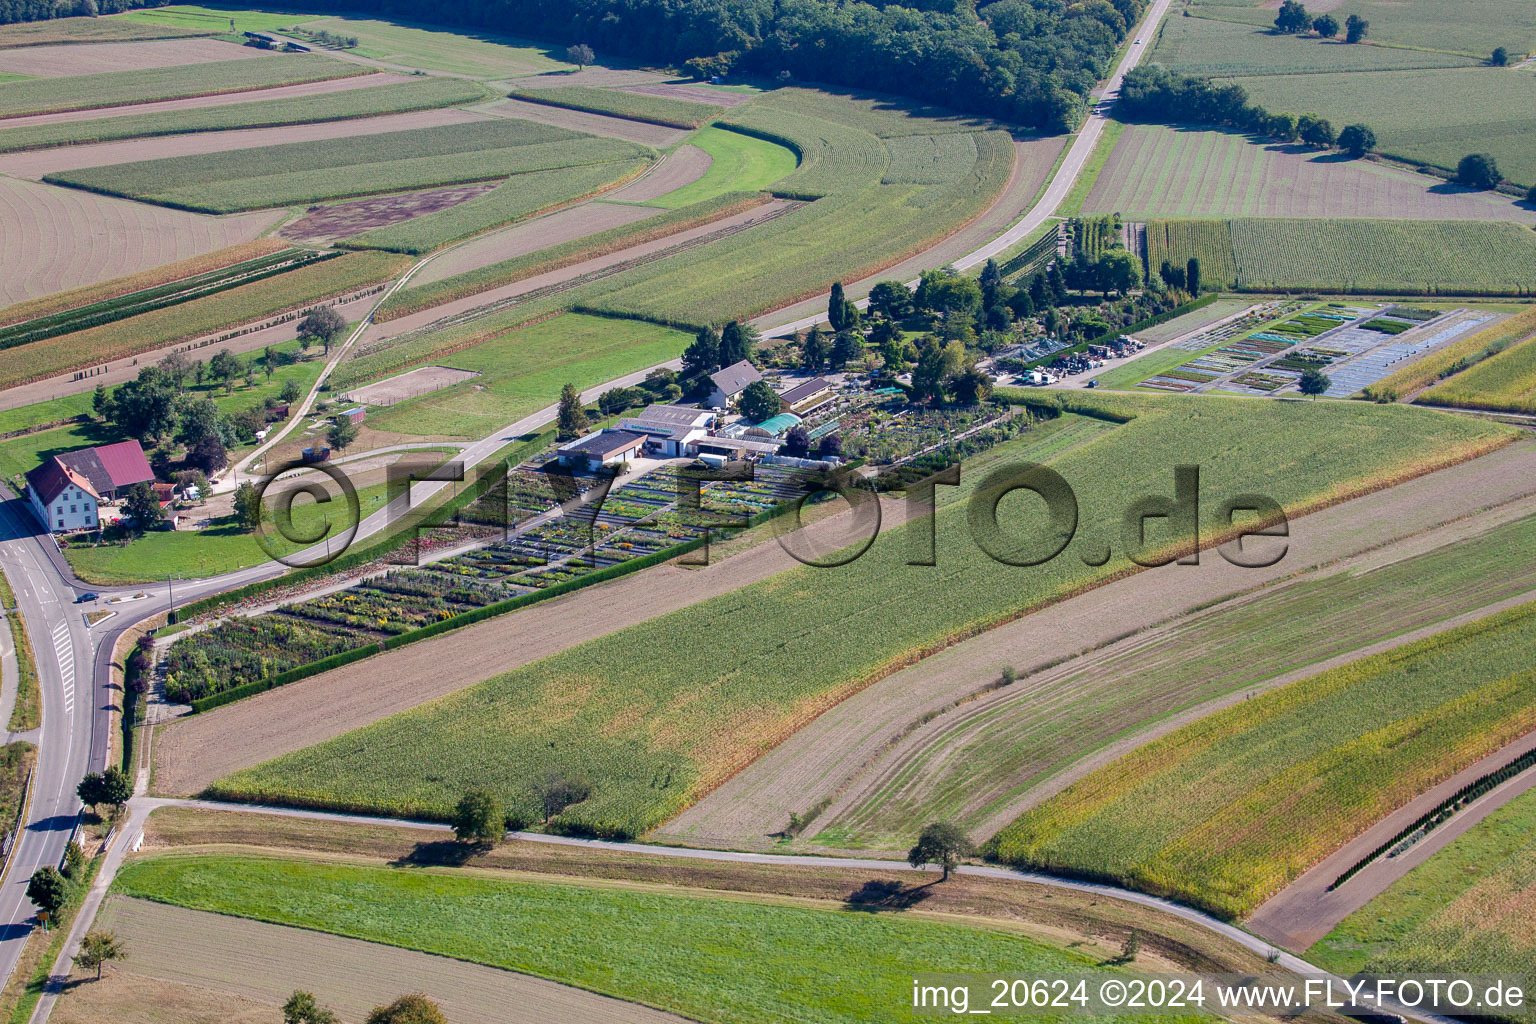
64,647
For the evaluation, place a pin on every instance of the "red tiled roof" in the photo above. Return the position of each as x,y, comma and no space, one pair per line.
50,480
125,463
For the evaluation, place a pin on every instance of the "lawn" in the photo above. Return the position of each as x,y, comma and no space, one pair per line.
117,88
1466,909
1472,27
1435,117
242,305
971,772
208,19
478,54
359,165
657,714
1182,171
706,957
384,99
1504,383
1225,812
633,105
522,372
1208,48
1352,256
519,197
739,163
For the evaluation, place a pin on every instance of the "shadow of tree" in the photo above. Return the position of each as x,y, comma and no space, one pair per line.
883,894
439,853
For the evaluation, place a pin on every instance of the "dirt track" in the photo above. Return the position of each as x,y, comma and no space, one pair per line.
264,963
194,751
656,135
282,92
36,163
683,166
829,758
95,58
531,236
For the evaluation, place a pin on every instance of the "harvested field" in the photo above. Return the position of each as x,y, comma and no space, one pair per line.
100,58
656,135
343,220
282,92
1157,171
691,93
124,997
839,754
601,77
37,163
75,238
120,88
85,30
417,382
532,236
683,166
264,963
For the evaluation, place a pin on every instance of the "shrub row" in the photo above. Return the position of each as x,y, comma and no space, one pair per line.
1140,325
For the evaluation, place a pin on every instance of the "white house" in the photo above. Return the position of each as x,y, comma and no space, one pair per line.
604,448
730,382
671,428
66,492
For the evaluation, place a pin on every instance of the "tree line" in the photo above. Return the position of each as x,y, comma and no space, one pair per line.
1030,62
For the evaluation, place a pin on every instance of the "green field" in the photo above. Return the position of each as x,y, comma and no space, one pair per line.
385,99
1352,256
1225,812
636,106
231,308
1468,908
1504,383
1434,117
973,772
522,372
87,30
1461,353
1472,27
1208,48
707,957
309,171
520,196
117,88
657,714
208,19
739,163
478,54
471,282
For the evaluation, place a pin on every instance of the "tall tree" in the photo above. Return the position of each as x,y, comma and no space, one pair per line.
1313,382
269,361
302,1008
846,348
1192,275
224,367
412,1009
837,308
703,353
572,422
342,434
248,505
47,889
1293,18
1119,271
1355,28
940,843
1478,170
738,342
101,402
1326,25
890,299
813,350
1499,58
1357,140
1315,131
758,401
97,948
323,324
478,818
141,507
581,55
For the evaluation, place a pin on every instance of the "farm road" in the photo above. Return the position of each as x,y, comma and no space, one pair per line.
853,748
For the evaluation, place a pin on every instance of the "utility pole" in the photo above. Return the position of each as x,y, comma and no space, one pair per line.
171,590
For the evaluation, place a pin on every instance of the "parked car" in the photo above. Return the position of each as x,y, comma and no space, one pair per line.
89,595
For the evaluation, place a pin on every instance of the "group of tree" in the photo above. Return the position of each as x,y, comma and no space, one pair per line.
1029,62
111,788
414,1008
713,350
1293,19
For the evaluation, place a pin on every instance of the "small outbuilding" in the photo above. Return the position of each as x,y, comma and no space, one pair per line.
604,448
805,396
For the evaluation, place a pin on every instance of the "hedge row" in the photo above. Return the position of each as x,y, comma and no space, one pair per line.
1140,325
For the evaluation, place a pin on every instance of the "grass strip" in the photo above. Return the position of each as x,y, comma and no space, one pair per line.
27,713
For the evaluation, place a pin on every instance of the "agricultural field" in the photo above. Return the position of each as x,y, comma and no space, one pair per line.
61,230
477,54
360,165
120,88
382,99
1352,256
737,163
87,30
523,371
519,197
649,753
244,304
1434,116
1467,909
1209,48
206,19
1472,28
1504,383
1159,171
1458,356
100,58
636,106
707,957
992,754
1225,812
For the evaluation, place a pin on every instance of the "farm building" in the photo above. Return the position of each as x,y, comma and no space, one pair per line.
66,491
730,382
735,447
805,396
670,428
356,415
604,448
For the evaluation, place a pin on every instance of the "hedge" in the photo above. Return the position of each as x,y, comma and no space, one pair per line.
1140,325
